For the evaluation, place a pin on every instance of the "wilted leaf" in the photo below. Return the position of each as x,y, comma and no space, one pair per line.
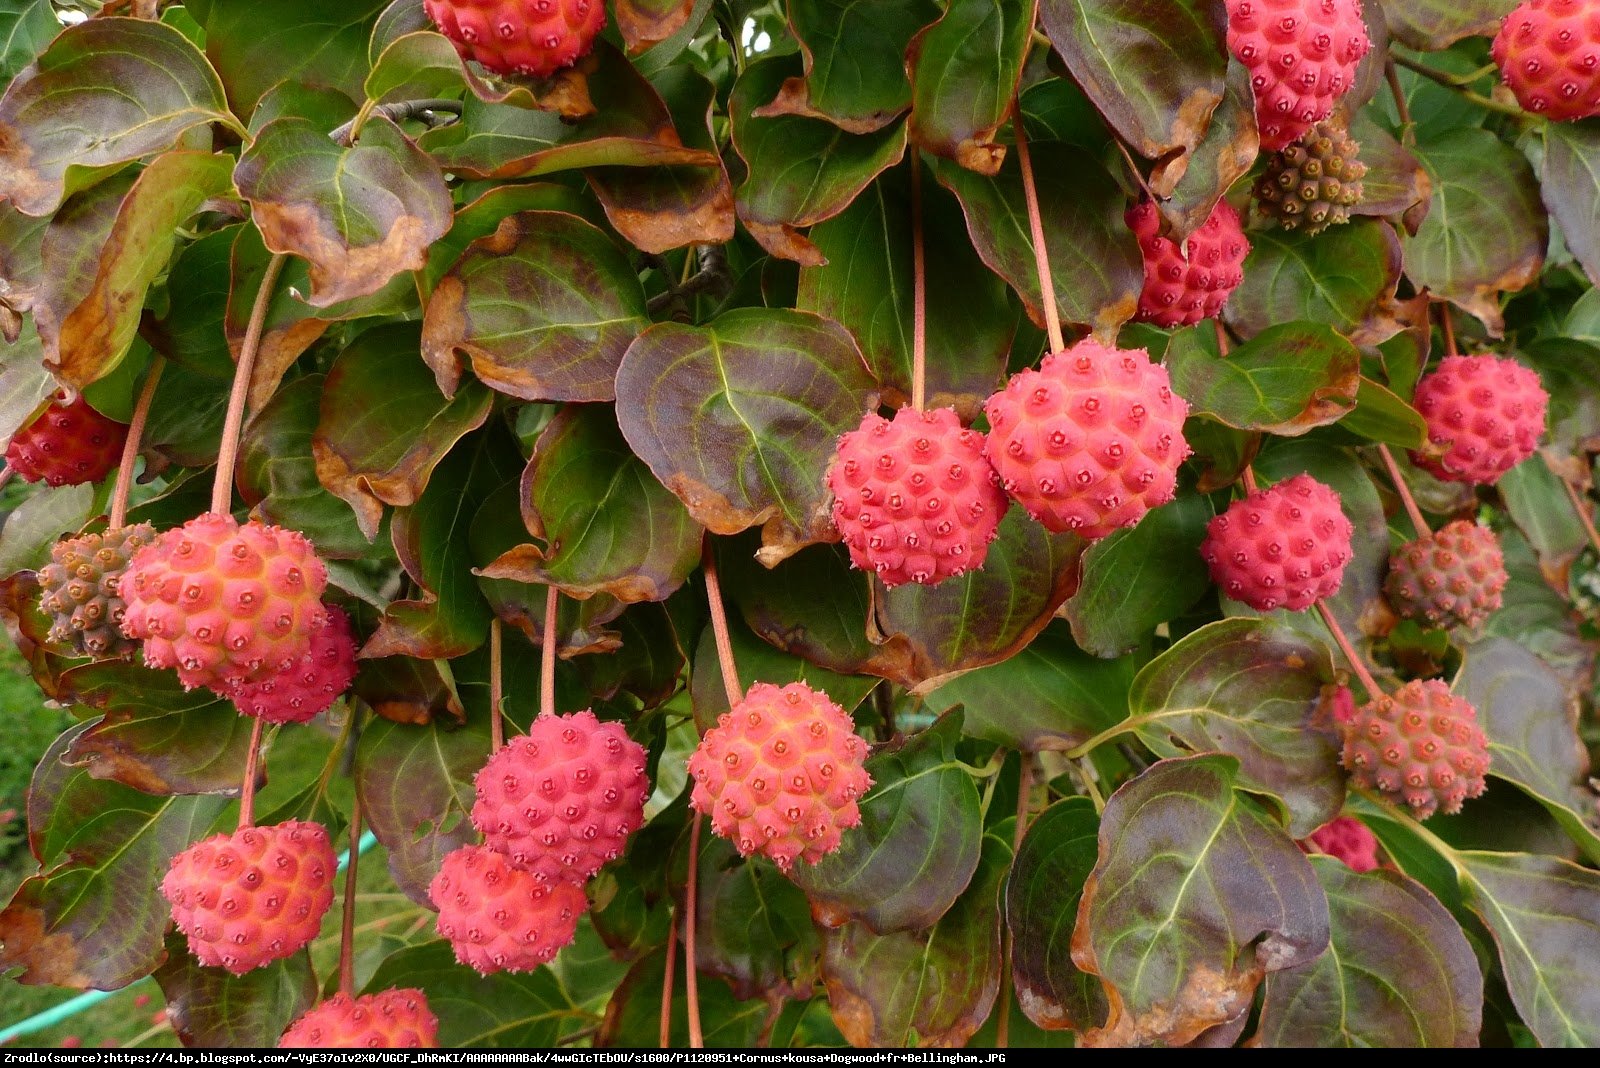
1042,896
739,418
645,22
918,843
209,1007
106,91
1398,972
1344,277
544,307
1224,155
964,70
1196,897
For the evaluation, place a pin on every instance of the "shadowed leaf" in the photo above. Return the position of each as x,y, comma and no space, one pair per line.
754,930
1436,24
759,662
255,47
1344,277
813,604
503,1010
208,1007
1286,380
1395,181
964,71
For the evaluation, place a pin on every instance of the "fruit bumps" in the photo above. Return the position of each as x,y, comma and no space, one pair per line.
1450,578
68,444
1548,52
1282,547
1313,184
781,774
1345,839
1302,57
561,800
1485,415
223,603
252,897
1184,286
310,684
79,590
914,498
1090,441
392,1019
499,918
535,38
1420,745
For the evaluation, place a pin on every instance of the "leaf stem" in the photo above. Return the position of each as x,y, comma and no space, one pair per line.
233,423
1041,253
347,926
1579,506
1403,109
130,448
666,983
398,111
690,980
252,764
497,725
1458,84
1404,491
1002,1030
919,291
719,626
1349,650
1448,327
1090,785
1249,475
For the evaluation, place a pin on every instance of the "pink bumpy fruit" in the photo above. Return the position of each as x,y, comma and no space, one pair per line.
1549,56
914,498
781,773
66,445
1091,441
1420,746
222,603
1283,547
534,38
561,800
311,684
1346,839
392,1019
1484,412
499,918
1302,57
1184,286
254,896
1450,578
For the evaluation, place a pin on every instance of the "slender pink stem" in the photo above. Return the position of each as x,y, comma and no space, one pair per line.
691,983
233,423
1404,490
1002,1031
547,655
130,448
1222,337
252,765
347,928
1581,507
1449,328
1041,253
497,694
666,984
919,292
1349,651
719,626
1250,484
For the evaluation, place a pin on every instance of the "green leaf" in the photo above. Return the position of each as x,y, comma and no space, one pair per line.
633,1014
917,846
607,525
1154,69
759,662
1570,186
95,916
107,91
864,285
1395,181
383,424
104,250
753,927
1537,617
799,170
739,418
1195,898
25,384
1094,258
304,41
421,65
1398,972
930,633
1486,230
925,988
544,307
1524,709
1538,504
1432,25
1286,380
191,329
25,29
1380,415
1567,367
358,214
1042,896
964,70
498,1011
1344,277
48,513
208,1007
1050,695
855,76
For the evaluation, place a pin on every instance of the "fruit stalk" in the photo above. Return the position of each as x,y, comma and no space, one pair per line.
497,727
1581,507
690,984
547,656
919,292
1401,488
719,628
347,926
252,764
1349,650
1041,254
233,423
1449,329
666,983
130,447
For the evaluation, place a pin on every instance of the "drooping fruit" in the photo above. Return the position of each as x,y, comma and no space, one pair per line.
561,800
311,684
1281,547
223,603
1091,441
1549,56
1184,286
254,896
535,38
781,774
1312,184
914,497
79,590
1450,578
1348,839
391,1019
1302,57
499,918
66,444
1420,745
1486,413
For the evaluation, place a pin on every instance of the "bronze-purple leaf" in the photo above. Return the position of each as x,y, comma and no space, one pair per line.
964,71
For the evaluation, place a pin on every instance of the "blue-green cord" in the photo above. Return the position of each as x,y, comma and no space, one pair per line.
70,1008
